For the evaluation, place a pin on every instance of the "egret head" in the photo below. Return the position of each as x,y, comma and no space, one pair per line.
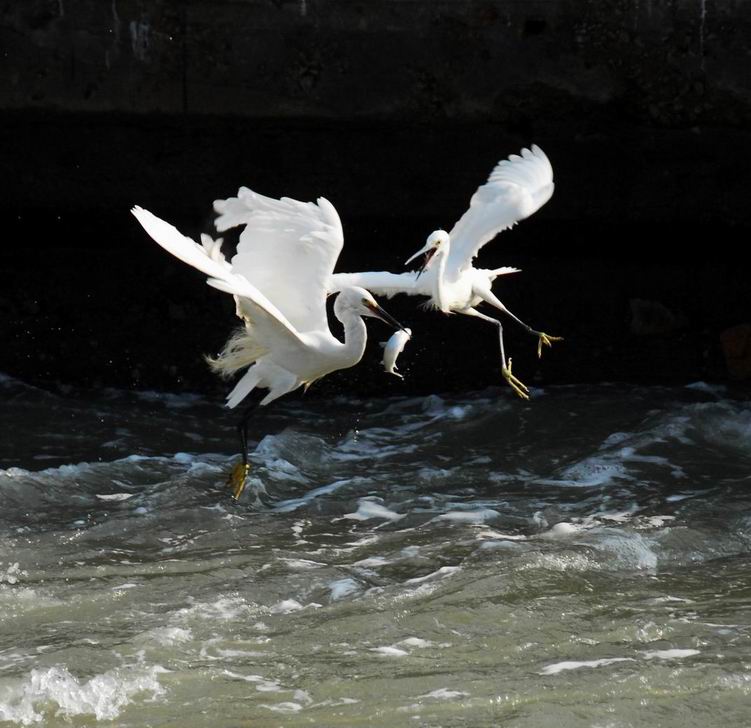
437,241
361,302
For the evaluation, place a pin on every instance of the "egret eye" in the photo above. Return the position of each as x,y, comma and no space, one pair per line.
365,302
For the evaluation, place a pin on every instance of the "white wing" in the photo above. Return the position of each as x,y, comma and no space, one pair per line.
287,251
382,283
267,331
221,275
206,258
517,187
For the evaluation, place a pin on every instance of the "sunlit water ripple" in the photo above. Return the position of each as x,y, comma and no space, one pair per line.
579,560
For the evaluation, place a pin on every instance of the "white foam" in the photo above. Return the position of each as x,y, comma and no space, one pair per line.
295,503
562,530
303,696
445,694
12,573
444,571
618,451
480,515
167,636
489,533
302,564
390,651
557,667
287,707
500,545
261,683
669,654
561,562
656,521
417,642
372,562
613,516
668,598
615,438
336,702
631,550
224,608
437,408
343,588
103,696
286,606
240,653
679,497
282,470
589,473
432,473
367,509
716,390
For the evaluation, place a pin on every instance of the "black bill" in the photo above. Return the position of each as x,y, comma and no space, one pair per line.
428,256
386,317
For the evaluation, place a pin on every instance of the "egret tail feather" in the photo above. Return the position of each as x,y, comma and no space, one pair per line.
239,352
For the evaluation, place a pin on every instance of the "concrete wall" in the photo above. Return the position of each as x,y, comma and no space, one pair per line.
515,62
643,105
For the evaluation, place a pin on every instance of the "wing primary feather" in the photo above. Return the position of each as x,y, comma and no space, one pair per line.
517,187
181,246
287,251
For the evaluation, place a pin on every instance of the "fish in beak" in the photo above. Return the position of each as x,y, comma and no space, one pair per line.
428,250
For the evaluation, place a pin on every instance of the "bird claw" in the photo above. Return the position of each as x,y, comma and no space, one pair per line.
547,340
519,387
237,479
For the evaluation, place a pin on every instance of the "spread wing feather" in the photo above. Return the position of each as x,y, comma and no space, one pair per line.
382,283
287,251
517,187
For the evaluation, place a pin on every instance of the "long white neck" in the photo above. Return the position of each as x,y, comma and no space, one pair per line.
355,336
439,283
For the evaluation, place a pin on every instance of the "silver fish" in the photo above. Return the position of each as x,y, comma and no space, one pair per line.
392,348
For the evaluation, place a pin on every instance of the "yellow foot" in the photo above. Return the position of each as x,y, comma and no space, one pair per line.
237,478
515,384
547,340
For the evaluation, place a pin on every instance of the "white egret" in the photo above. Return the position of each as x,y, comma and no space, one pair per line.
392,348
279,278
516,188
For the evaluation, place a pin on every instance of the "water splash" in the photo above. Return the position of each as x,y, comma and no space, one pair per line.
55,689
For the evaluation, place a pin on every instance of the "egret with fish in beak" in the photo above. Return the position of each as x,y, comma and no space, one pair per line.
279,279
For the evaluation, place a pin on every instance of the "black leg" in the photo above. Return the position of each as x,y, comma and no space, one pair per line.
242,429
239,473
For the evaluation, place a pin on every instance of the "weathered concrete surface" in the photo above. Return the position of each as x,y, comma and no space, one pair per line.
671,62
395,110
643,105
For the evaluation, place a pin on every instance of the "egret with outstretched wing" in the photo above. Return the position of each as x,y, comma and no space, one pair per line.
279,278
517,187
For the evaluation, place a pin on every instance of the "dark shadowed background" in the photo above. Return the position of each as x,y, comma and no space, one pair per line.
395,110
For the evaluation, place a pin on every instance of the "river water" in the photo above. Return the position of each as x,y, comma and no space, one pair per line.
583,559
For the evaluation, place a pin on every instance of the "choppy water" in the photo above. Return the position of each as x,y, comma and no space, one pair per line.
579,560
